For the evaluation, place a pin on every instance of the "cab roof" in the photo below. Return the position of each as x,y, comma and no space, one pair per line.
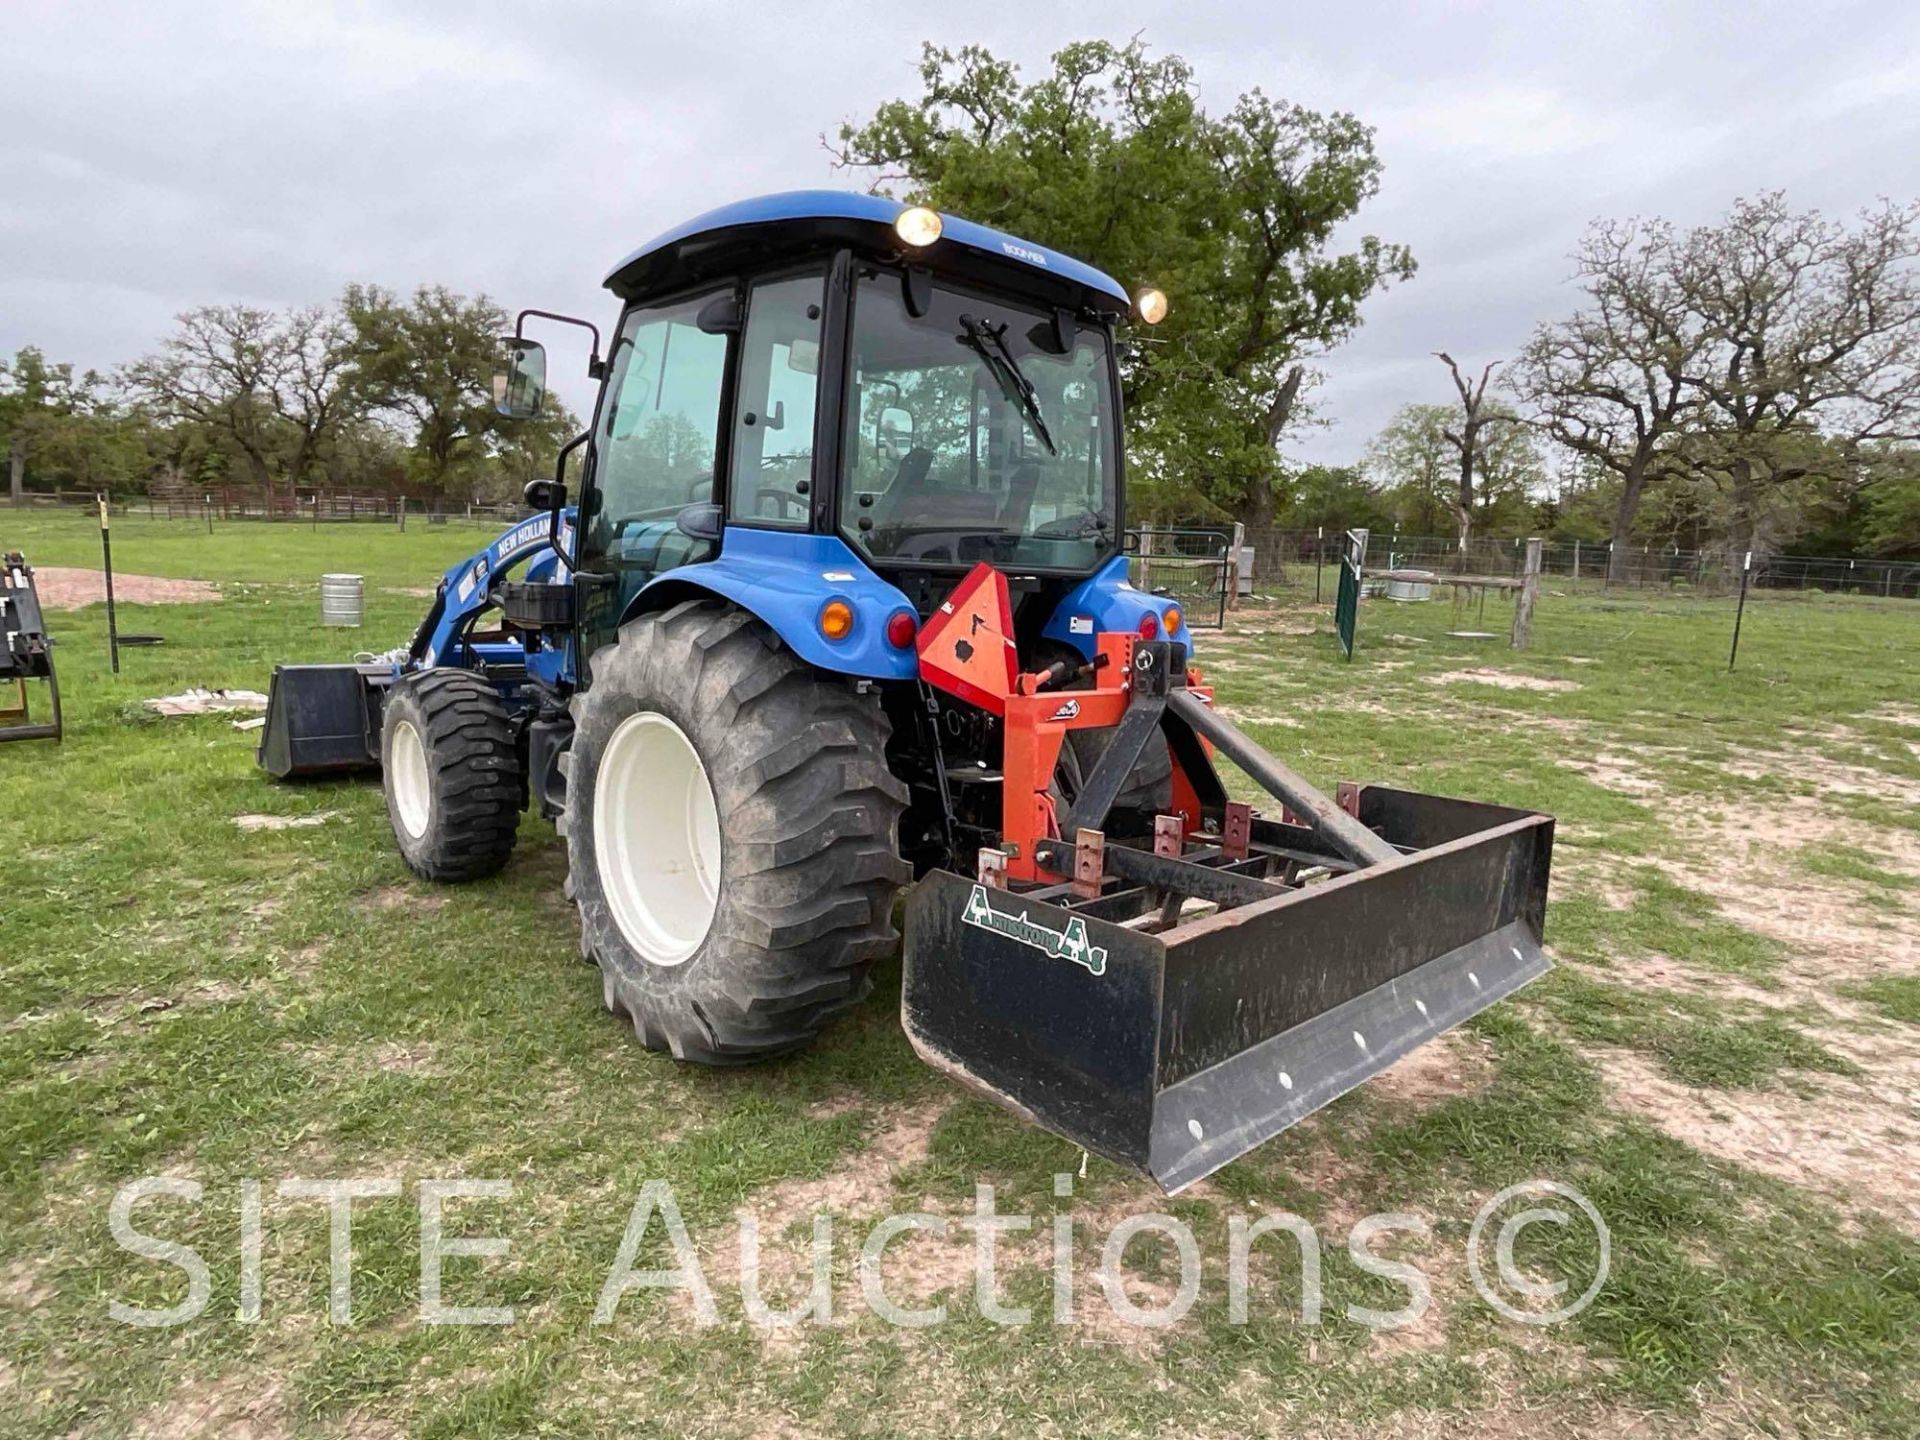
802,222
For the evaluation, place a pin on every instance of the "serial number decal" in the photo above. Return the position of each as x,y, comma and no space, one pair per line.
1069,944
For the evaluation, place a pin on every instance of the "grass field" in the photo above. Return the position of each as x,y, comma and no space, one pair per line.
1726,1062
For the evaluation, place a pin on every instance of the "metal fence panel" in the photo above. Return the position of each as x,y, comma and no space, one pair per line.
1187,565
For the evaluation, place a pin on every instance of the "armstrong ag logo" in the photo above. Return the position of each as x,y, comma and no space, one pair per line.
1024,252
1070,944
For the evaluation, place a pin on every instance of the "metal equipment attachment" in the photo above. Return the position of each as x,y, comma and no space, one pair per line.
323,720
26,653
1171,990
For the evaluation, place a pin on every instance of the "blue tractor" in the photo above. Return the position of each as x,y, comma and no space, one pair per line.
842,606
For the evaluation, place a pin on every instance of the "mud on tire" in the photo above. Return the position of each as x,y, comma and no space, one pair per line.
451,770
808,817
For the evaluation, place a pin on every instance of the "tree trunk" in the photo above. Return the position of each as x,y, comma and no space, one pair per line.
1633,482
1743,522
1463,507
17,471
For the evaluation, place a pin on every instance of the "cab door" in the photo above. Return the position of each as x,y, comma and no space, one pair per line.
657,439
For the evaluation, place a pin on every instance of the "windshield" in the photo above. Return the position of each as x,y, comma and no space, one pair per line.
973,435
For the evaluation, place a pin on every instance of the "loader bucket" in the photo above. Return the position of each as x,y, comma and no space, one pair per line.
1176,1050
323,720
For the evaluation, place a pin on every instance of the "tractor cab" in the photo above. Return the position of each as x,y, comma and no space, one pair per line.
831,382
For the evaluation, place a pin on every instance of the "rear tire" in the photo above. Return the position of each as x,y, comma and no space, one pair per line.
451,771
732,836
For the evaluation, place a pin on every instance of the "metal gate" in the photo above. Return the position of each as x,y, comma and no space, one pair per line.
1189,566
1346,601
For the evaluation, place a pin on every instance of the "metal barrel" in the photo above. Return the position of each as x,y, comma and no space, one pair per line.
1177,1052
342,599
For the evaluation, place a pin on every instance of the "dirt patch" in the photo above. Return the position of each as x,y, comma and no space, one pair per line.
862,1183
232,1408
396,1058
1613,772
1243,717
1502,680
1749,859
1908,715
400,897
67,587
251,823
22,1287
1857,1140
1457,1063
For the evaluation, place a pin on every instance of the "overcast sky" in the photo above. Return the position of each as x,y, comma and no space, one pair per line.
161,155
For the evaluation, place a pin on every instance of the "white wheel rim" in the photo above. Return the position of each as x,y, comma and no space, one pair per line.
656,838
407,775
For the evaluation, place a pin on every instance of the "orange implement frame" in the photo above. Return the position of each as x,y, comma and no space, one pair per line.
1036,727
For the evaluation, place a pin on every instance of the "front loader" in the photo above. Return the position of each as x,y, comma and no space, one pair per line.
843,605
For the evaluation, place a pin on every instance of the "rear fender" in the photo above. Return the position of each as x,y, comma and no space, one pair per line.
785,579
1106,600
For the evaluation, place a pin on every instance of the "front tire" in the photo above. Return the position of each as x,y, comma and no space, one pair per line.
732,836
451,771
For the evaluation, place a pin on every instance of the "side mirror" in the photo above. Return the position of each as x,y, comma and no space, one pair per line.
521,385
720,316
894,431
545,495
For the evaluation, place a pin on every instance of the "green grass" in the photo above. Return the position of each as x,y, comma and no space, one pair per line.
1848,862
1896,996
185,998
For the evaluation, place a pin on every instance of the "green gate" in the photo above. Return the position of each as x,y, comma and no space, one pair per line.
1346,600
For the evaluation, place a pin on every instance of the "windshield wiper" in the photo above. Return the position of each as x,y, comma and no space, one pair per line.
989,342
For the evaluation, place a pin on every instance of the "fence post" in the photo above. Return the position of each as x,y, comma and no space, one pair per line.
1740,610
1233,565
1529,592
1319,549
1576,567
106,571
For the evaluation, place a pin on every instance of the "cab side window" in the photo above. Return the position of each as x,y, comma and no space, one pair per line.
774,406
658,427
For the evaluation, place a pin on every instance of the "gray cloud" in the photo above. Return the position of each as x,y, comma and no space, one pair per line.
159,156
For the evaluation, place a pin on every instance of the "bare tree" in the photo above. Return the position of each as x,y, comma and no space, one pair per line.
1812,347
216,371
1611,383
270,384
1467,439
309,384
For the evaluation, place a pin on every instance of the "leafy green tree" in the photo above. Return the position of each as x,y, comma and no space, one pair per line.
427,362
1415,461
67,430
1337,497
1892,504
1110,157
